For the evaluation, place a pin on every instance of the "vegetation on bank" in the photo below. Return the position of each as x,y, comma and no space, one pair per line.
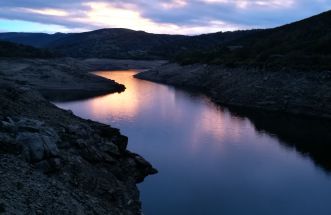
304,45
12,50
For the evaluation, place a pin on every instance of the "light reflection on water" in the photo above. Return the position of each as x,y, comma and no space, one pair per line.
210,160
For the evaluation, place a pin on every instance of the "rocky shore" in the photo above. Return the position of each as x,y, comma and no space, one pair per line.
295,92
52,162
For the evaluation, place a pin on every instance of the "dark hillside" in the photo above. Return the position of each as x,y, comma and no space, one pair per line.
123,43
38,40
112,43
305,44
203,42
8,49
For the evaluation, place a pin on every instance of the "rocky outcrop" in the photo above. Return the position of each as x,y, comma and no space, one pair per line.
52,162
36,143
285,91
66,78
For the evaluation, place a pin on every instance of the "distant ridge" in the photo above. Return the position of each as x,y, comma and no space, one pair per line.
306,43
12,50
120,43
38,40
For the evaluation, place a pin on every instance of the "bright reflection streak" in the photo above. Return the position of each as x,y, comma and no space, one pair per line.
123,105
140,96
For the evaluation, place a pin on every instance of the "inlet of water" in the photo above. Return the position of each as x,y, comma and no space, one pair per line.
213,161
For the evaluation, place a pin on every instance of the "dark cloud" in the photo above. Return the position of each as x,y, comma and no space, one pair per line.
180,13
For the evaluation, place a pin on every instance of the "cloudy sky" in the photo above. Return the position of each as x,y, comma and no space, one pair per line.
163,16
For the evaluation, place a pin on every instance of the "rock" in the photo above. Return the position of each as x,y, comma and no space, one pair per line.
50,146
48,166
81,143
107,131
37,141
108,159
142,163
145,168
73,129
121,142
33,146
31,125
8,144
92,155
70,112
110,148
8,125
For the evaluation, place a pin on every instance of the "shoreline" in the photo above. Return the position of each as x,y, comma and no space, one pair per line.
52,161
286,92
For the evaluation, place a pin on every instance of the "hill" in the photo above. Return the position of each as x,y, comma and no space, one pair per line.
121,43
112,43
8,49
38,40
103,43
303,44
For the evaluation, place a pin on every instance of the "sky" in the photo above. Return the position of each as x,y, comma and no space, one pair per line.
189,17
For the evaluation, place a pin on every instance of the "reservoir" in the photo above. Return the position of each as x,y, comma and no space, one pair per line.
213,160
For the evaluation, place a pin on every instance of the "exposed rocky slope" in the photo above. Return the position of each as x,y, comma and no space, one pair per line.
306,93
52,162
67,78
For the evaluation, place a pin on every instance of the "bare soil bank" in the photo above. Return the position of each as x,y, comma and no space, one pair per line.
295,92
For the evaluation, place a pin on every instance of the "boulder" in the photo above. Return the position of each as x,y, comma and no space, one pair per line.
25,124
121,142
83,131
33,146
110,148
31,138
50,147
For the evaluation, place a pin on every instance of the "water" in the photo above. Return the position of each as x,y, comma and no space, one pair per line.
213,161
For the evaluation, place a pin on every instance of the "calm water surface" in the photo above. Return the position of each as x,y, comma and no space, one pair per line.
212,161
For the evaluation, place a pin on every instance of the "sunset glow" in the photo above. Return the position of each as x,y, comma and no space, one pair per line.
167,16
47,11
102,14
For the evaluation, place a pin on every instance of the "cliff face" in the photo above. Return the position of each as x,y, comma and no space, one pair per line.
305,93
52,162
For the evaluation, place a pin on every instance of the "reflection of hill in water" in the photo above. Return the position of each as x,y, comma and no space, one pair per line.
310,137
